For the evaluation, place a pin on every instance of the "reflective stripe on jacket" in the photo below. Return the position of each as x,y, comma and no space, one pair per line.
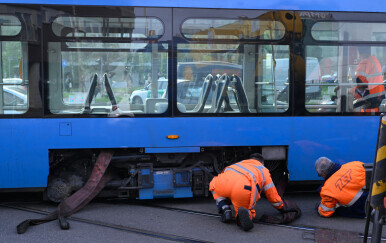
261,181
343,188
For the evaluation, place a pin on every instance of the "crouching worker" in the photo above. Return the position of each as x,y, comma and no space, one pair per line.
241,184
341,192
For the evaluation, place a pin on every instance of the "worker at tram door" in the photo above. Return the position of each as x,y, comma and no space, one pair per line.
241,184
369,71
342,191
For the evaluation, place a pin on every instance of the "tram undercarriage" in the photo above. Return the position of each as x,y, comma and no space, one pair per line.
140,175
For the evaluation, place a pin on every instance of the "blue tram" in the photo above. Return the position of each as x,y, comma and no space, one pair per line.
179,90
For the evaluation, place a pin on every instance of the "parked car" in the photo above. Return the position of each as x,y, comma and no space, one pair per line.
15,100
139,96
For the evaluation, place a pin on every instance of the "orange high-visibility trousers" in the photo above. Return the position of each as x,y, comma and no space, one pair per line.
243,182
231,185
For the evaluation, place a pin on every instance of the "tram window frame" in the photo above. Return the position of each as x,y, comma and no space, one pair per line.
345,100
151,44
105,31
241,44
211,35
16,86
350,30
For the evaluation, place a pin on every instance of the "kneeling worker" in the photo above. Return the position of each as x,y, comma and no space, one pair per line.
341,192
242,183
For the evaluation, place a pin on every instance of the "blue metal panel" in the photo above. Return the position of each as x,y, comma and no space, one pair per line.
25,142
182,178
173,150
145,194
164,188
319,5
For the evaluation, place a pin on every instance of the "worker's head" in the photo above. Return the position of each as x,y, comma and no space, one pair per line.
258,157
364,51
384,72
323,166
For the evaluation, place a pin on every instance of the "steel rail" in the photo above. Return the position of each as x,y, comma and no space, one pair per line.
295,227
171,237
149,233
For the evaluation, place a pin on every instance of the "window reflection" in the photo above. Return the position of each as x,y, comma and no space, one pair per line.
229,81
131,76
221,29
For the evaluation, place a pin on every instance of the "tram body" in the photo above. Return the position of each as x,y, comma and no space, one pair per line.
217,83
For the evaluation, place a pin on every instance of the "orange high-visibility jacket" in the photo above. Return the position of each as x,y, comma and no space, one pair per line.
343,188
370,71
243,183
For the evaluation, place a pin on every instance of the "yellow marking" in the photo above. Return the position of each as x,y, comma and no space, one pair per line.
378,187
384,120
381,153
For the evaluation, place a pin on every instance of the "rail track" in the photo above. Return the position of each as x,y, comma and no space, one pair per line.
308,231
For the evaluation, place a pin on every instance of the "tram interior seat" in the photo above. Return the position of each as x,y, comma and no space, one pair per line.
151,105
241,97
224,84
220,95
160,105
205,90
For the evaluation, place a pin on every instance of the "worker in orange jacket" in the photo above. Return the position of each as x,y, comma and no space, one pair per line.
342,191
242,183
369,71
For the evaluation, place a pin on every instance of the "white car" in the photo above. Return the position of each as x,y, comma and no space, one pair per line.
139,96
15,100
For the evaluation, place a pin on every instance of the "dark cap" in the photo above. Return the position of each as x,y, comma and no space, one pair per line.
257,156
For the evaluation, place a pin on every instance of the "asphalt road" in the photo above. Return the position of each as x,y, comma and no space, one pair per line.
160,221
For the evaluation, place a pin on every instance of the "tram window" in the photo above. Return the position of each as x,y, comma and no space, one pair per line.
220,74
134,28
212,29
347,31
135,66
13,89
339,81
13,83
9,25
128,69
257,81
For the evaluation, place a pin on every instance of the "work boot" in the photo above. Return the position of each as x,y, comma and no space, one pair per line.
243,219
226,216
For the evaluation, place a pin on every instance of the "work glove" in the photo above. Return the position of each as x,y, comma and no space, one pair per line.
288,207
289,213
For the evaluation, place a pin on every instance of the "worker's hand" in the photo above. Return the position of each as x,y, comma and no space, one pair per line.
289,206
